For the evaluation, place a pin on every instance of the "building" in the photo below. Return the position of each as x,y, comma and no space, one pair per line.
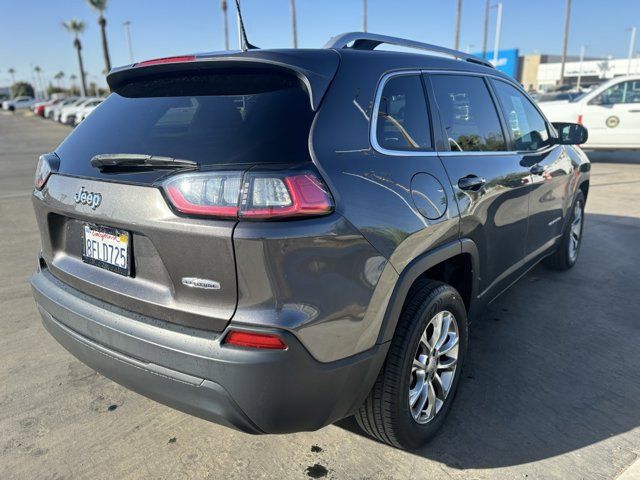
591,72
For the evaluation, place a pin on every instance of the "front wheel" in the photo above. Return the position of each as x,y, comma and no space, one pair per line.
415,388
566,254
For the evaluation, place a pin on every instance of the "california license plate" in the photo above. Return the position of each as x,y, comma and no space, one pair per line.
107,247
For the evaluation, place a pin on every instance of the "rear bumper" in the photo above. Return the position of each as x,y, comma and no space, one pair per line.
255,391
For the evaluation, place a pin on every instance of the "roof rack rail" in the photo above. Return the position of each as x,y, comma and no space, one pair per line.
369,41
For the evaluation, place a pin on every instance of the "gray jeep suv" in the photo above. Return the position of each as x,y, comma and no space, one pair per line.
274,240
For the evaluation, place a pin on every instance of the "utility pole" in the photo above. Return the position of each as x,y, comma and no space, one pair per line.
565,42
294,25
582,47
364,15
496,42
456,42
632,46
486,28
240,38
127,32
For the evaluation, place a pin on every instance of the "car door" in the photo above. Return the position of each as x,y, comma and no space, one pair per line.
549,164
490,183
613,116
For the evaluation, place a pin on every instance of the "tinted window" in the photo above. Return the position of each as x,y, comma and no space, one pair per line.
211,119
403,121
468,113
528,128
624,92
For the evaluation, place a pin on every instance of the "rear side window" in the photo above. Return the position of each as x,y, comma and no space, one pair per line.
527,126
468,113
213,119
402,118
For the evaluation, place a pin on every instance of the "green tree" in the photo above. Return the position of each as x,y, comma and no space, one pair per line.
100,6
19,89
58,77
76,27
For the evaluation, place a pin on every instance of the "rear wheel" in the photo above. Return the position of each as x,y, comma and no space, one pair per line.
566,254
415,388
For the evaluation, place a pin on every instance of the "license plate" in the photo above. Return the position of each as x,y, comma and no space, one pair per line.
107,248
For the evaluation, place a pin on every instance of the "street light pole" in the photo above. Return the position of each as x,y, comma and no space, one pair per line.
496,42
456,42
364,15
582,48
294,25
127,31
486,28
632,45
565,42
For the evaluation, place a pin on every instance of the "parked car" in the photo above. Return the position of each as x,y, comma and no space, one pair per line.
57,111
87,109
277,242
555,96
611,113
18,103
50,110
69,112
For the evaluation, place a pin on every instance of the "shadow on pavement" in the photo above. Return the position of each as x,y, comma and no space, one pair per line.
554,365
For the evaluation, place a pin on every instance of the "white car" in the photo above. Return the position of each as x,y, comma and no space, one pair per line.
65,108
50,110
87,109
18,103
610,112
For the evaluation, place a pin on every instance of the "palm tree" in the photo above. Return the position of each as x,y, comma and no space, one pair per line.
76,27
38,72
58,77
100,6
12,72
223,5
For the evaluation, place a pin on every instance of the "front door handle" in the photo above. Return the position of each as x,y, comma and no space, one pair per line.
471,182
537,169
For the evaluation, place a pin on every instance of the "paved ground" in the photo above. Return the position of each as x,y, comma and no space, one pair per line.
552,388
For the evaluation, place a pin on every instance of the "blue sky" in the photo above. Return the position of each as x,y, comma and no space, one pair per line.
31,31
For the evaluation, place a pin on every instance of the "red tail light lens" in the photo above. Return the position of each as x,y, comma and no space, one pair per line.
43,172
255,340
269,197
260,196
158,61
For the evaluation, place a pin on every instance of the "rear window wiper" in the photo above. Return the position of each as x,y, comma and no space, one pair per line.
125,161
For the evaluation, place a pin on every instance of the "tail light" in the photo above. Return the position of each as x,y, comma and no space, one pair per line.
160,61
579,122
257,196
266,341
46,165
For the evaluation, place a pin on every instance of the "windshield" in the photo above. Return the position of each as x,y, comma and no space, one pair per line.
210,119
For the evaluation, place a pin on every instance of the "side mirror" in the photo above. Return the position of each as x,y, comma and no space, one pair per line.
570,133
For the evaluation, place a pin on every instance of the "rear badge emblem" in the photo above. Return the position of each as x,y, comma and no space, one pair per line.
91,199
200,283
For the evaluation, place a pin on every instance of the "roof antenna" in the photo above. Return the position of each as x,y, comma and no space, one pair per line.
242,34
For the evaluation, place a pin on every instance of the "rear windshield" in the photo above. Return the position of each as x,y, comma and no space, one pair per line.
211,119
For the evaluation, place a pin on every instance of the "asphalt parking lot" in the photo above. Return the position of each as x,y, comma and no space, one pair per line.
551,387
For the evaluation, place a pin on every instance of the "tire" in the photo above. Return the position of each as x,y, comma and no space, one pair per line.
386,414
566,253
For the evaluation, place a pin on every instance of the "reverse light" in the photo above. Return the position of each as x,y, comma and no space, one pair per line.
43,170
255,340
256,196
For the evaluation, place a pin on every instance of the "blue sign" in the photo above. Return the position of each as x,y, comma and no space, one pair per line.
507,60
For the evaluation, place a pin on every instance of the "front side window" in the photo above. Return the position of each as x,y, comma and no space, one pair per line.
403,121
468,113
527,126
623,92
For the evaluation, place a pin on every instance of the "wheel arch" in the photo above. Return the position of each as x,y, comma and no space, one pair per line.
457,260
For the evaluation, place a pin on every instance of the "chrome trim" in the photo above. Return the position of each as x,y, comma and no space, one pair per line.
373,124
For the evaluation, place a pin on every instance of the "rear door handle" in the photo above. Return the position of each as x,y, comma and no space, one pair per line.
471,182
537,169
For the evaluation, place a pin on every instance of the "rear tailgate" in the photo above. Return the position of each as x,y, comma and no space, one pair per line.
182,269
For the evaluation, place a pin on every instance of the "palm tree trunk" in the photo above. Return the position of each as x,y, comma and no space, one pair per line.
105,47
83,80
294,26
226,29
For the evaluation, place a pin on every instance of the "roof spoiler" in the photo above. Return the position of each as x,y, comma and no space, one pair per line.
315,74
